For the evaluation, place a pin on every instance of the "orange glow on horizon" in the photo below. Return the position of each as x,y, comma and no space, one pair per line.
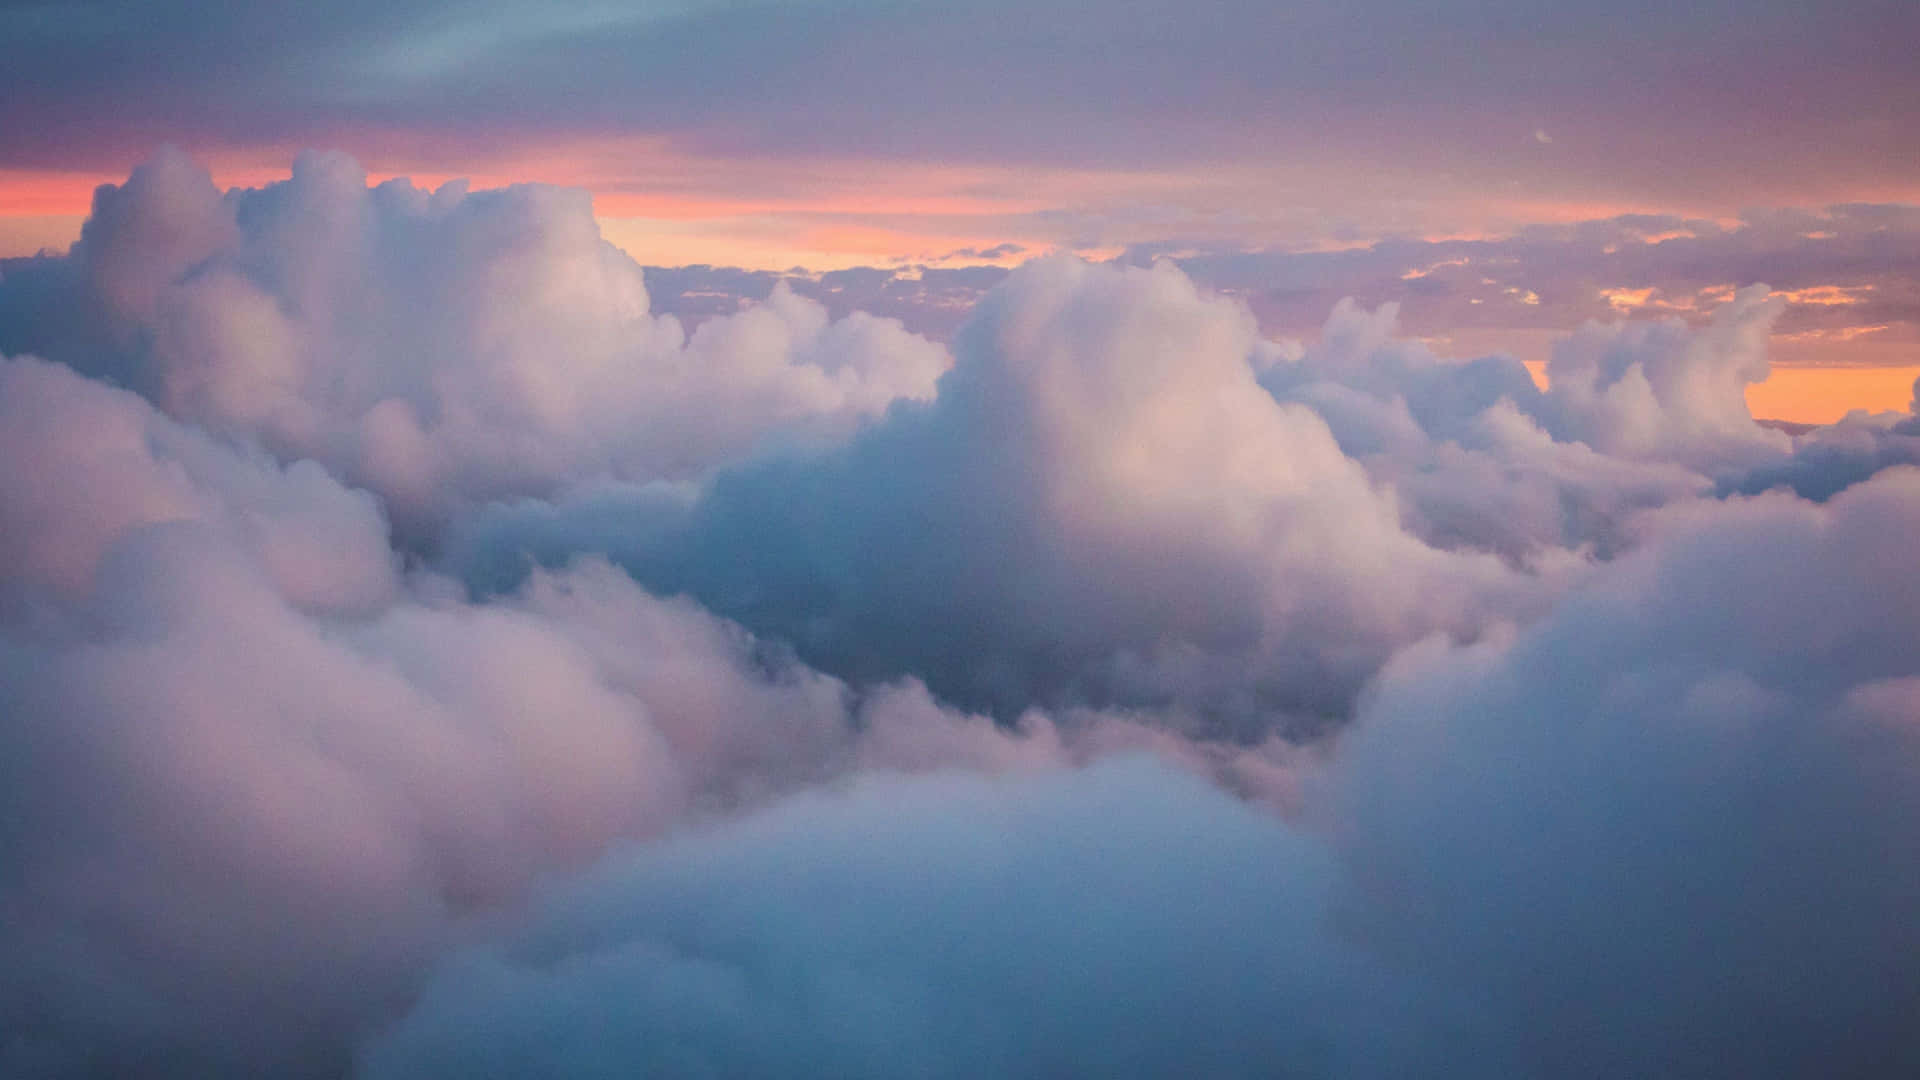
766,212
26,193
1815,395
759,214
667,205
1819,395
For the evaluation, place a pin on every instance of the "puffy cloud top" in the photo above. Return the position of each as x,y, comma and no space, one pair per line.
1102,505
448,346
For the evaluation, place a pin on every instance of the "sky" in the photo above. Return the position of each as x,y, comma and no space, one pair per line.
892,134
874,540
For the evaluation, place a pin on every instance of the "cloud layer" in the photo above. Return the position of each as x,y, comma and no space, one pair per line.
1845,277
417,657
1664,831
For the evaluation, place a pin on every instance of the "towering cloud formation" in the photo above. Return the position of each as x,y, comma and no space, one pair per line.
1480,728
1661,391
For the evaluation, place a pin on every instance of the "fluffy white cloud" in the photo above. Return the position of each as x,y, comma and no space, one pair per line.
1124,921
253,776
1664,831
89,463
1102,504
1124,495
1663,391
444,347
1490,736
252,772
1471,446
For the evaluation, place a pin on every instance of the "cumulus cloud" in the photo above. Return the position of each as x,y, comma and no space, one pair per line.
89,463
1469,727
1654,391
1125,495
1123,921
252,774
1468,445
1847,279
1102,505
1832,458
257,774
1661,832
1662,391
450,346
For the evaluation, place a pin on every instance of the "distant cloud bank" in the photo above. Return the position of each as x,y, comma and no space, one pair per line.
1849,278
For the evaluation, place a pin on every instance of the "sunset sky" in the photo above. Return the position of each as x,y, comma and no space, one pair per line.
988,540
1671,155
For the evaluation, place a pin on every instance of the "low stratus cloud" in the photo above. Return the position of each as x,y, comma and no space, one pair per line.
417,657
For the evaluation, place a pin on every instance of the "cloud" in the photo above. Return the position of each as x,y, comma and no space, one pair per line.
1662,391
1653,834
1467,446
1830,459
1124,920
1656,833
1845,276
929,300
258,774
92,463
1642,265
1468,728
1123,495
1102,505
447,347
997,251
252,774
255,773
